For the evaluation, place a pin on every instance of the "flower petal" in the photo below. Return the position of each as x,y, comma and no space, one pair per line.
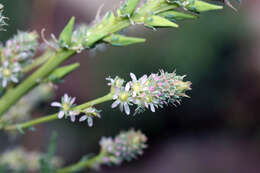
121,107
127,86
152,107
55,104
132,75
115,103
66,97
61,114
90,121
143,79
4,83
83,118
72,100
127,109
72,118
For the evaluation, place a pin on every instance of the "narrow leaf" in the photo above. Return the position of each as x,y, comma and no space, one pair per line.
157,21
62,72
175,15
66,34
121,40
201,6
128,8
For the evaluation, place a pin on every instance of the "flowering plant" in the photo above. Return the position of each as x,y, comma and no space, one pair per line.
20,90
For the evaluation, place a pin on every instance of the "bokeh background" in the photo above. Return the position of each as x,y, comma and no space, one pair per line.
216,130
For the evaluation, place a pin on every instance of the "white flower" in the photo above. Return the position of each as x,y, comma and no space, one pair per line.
9,73
123,99
138,86
89,114
66,106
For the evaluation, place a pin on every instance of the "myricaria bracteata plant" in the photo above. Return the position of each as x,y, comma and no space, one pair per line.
133,96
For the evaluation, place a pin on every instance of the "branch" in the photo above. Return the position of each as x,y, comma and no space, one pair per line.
149,14
53,117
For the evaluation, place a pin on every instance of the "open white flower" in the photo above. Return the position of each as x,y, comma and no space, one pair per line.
66,107
138,86
123,99
9,73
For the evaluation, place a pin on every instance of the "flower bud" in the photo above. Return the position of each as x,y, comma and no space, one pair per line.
125,146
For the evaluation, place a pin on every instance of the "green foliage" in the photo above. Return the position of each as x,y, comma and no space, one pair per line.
61,72
201,6
66,34
128,8
157,21
46,160
121,40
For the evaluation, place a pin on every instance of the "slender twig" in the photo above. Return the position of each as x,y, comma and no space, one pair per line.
53,117
38,61
90,163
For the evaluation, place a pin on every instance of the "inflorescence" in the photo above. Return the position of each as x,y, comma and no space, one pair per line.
68,109
148,92
15,55
125,146
19,159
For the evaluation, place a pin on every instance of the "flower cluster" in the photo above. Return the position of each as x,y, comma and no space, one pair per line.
68,109
125,146
2,18
19,159
21,48
16,54
149,92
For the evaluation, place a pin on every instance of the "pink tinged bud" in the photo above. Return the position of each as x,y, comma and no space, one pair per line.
118,153
106,159
9,43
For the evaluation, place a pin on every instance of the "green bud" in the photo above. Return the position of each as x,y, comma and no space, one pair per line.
128,8
201,6
121,40
61,72
66,34
175,15
157,21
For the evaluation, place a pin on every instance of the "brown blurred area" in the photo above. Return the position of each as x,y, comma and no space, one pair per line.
217,130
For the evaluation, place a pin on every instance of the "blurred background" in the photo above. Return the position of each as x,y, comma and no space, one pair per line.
216,130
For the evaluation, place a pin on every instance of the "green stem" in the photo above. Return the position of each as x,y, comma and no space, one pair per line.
90,163
13,96
52,117
38,61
